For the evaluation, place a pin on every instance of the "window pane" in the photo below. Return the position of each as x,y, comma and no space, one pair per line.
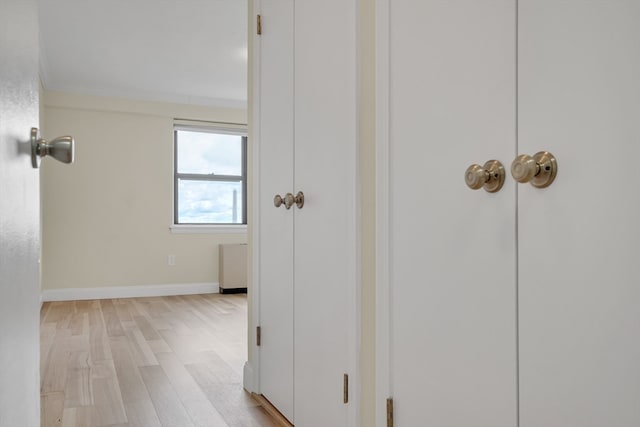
201,202
209,153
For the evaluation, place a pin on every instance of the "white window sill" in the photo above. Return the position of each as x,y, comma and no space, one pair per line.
208,229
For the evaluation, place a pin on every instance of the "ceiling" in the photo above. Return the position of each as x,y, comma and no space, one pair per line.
184,51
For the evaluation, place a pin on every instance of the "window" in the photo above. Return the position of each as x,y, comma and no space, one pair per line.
210,175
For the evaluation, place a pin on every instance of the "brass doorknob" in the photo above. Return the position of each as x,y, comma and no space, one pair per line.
490,176
287,200
299,199
540,169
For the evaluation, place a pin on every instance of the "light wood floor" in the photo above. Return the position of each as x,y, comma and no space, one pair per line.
164,361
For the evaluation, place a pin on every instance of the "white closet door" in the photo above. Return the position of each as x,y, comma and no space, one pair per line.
326,229
452,263
579,92
276,224
308,255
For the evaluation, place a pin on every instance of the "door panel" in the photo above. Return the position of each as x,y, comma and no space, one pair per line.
308,259
276,224
19,217
579,93
325,228
453,300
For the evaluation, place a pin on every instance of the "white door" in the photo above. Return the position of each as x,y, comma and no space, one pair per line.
307,269
275,169
19,217
579,93
452,294
326,265
573,291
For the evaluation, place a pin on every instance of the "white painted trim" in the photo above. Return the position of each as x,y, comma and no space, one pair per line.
384,388
255,224
75,101
106,292
146,96
354,238
207,229
247,377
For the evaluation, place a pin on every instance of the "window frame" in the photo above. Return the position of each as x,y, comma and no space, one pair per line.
214,128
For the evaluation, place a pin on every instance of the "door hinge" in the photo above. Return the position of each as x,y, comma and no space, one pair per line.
259,24
258,337
389,412
345,391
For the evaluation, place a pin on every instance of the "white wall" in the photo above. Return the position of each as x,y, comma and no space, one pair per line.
106,217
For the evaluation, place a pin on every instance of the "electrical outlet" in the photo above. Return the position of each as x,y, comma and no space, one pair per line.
172,260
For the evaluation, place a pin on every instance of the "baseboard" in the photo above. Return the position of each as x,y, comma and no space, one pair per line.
107,292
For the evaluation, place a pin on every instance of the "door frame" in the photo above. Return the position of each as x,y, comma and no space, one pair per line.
384,389
252,367
353,293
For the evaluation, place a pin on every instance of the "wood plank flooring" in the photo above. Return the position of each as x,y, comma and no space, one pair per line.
163,361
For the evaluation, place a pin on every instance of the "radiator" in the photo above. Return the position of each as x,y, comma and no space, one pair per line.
233,268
